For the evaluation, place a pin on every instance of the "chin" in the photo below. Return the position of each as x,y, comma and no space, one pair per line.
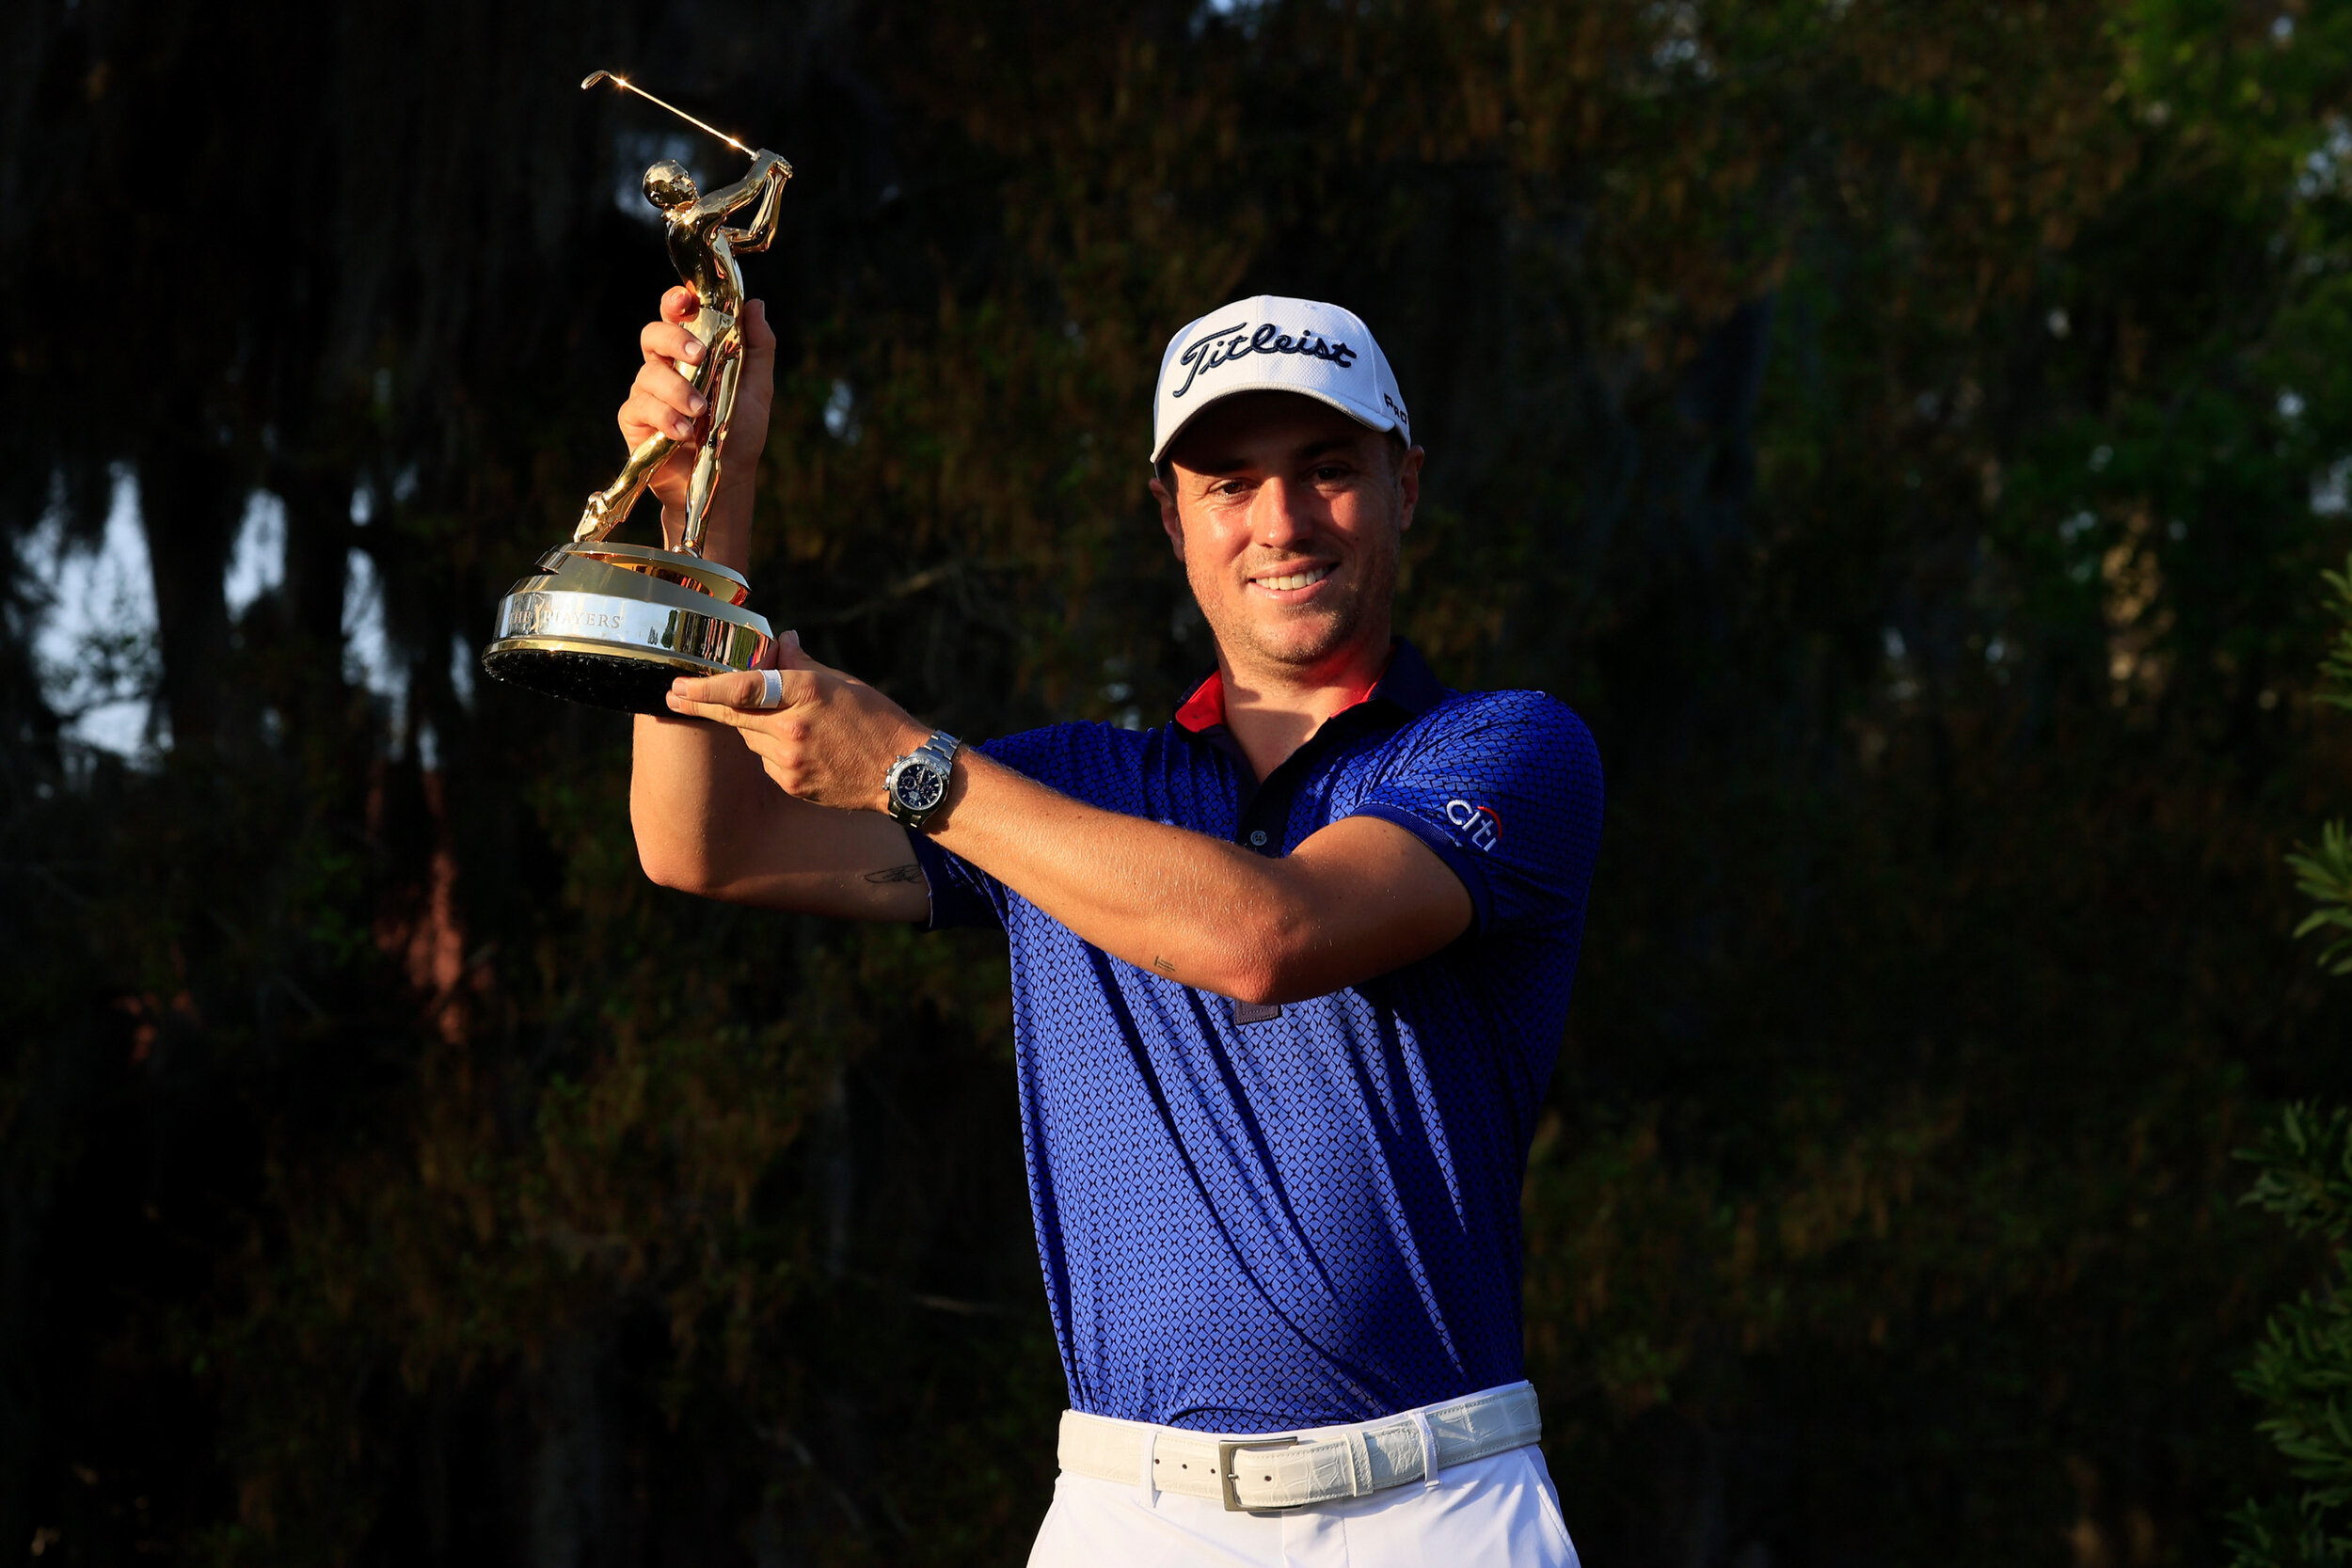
1298,640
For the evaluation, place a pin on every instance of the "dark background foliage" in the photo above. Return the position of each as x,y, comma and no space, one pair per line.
1910,433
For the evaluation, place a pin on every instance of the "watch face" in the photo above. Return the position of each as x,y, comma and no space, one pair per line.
920,787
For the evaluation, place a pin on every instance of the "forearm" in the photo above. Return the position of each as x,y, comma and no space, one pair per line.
727,528
1355,899
708,820
1195,909
691,788
725,525
757,235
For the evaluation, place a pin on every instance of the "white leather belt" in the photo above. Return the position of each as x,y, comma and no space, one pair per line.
1264,1473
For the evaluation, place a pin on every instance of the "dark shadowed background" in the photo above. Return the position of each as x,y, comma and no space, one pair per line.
1909,433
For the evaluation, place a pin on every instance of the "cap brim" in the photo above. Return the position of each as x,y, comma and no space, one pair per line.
1370,419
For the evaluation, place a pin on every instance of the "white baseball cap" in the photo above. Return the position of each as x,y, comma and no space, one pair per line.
1268,344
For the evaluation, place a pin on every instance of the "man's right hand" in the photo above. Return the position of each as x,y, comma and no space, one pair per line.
661,402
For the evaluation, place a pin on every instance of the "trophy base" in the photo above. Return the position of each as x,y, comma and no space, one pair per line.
611,625
598,677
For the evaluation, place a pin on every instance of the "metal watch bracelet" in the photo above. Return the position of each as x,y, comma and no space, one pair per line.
925,774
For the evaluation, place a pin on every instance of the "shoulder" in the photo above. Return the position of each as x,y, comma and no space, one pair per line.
1505,786
1519,723
1499,754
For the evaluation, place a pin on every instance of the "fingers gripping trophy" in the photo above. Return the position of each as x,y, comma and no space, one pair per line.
611,624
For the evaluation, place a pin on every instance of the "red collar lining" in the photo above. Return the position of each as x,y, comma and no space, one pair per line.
1205,709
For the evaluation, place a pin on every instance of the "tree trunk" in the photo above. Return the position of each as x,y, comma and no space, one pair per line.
189,502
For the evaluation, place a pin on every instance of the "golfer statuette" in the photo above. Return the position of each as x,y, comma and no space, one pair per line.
611,624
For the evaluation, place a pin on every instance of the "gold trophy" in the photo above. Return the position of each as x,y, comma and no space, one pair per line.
613,625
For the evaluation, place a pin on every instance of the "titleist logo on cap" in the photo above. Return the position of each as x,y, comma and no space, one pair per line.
1273,344
1228,343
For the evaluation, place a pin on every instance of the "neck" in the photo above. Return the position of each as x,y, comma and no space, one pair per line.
1271,709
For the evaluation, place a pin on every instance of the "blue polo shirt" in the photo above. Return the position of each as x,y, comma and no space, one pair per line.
1254,1219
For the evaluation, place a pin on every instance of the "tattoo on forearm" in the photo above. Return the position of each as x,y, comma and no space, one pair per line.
1162,965
909,873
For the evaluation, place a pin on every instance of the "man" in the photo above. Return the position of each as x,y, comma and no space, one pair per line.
1288,975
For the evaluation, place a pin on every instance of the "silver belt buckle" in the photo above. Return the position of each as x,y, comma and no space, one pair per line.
1225,1476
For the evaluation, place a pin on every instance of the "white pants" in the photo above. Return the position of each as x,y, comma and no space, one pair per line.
1500,1510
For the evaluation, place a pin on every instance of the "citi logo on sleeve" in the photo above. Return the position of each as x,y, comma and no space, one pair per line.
1479,824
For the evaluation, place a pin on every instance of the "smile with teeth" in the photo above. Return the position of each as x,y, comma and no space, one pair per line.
1306,577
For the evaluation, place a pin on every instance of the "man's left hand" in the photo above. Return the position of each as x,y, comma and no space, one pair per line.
830,741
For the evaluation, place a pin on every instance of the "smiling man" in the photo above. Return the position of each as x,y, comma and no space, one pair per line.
1289,973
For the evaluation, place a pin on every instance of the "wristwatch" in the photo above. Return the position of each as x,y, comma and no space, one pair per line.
917,782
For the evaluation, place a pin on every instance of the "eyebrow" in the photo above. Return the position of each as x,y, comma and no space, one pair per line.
1312,450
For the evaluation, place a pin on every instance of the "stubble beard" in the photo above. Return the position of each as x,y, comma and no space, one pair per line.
1303,642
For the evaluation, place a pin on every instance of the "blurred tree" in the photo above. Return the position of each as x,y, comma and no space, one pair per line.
2302,1367
1905,433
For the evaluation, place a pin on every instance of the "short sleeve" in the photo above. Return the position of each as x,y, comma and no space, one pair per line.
1505,787
961,892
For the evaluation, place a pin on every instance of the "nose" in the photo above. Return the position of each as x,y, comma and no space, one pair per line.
1281,515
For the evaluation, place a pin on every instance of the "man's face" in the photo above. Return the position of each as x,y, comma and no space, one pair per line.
1288,516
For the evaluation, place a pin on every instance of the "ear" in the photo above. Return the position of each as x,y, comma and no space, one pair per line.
1408,486
1170,523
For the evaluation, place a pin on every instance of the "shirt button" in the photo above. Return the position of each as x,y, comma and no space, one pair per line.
1256,837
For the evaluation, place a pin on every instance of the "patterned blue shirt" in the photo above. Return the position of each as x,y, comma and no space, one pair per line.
1255,1219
